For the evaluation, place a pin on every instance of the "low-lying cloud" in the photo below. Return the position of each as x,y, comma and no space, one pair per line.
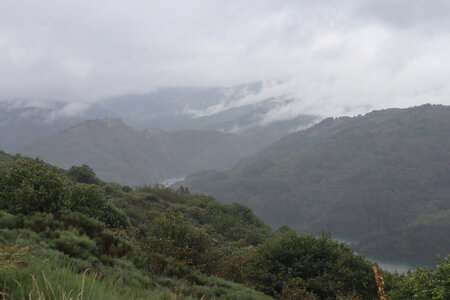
331,57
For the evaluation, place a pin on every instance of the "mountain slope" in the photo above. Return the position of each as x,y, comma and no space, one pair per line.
375,175
241,109
120,153
22,125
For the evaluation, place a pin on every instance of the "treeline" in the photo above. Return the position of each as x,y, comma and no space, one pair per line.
67,233
383,176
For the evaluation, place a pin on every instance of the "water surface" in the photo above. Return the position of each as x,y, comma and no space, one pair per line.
169,181
386,262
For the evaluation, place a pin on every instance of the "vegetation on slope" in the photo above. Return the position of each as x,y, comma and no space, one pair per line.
61,237
119,153
384,174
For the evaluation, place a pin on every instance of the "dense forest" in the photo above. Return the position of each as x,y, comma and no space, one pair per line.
65,233
383,177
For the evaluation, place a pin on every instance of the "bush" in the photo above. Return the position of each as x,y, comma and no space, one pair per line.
83,174
90,200
32,186
114,217
172,235
423,283
10,221
83,223
74,245
290,263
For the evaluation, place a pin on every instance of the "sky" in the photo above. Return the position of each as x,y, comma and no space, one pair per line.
332,57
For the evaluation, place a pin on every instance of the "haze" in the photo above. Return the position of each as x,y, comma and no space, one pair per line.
332,57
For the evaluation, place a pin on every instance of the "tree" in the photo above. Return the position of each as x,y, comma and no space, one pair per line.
83,174
32,186
289,264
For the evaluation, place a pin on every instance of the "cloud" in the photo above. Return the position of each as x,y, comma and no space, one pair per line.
332,57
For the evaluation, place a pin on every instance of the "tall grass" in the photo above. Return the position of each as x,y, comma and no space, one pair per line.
43,281
24,276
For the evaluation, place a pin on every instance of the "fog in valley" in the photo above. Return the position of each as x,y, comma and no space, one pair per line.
213,149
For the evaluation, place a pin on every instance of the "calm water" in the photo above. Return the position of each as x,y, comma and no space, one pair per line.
389,263
168,182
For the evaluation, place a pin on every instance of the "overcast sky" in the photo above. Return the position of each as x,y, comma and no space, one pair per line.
334,57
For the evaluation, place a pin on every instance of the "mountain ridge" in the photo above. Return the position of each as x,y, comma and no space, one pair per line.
366,175
119,153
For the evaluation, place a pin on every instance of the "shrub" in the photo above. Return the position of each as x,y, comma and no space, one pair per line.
304,264
10,221
423,283
74,245
83,174
32,186
172,235
89,200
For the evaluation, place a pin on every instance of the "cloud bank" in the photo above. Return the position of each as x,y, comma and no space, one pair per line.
332,57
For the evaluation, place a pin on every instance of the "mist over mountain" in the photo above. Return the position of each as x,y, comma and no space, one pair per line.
211,149
240,109
19,125
171,109
22,122
385,175
119,153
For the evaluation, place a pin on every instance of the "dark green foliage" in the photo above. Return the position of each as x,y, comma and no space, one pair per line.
90,200
32,186
290,263
421,284
83,223
113,216
74,234
84,198
8,221
170,234
83,174
108,241
373,176
73,244
230,224
126,189
176,240
425,237
99,252
7,160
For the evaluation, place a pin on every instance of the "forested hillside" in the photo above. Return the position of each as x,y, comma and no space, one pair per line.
65,233
384,176
150,243
119,153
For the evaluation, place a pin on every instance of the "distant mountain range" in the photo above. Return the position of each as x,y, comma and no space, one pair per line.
384,177
119,153
225,109
23,124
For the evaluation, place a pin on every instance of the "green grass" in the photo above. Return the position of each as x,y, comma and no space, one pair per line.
32,272
49,281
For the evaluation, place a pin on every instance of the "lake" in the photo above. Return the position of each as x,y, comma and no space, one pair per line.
389,263
168,182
